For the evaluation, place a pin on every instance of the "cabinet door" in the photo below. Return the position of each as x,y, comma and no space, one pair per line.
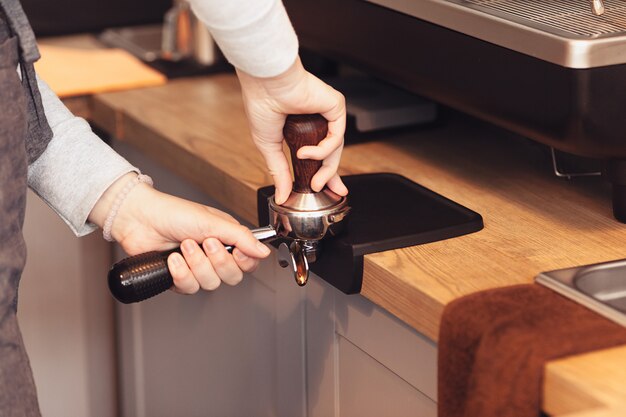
362,361
237,351
66,316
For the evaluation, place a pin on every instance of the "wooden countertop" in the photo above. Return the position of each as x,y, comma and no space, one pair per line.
533,221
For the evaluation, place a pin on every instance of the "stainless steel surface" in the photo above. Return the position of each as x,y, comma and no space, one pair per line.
311,249
304,219
264,233
569,175
144,42
181,36
311,201
600,287
563,32
293,256
301,262
308,216
597,7
185,36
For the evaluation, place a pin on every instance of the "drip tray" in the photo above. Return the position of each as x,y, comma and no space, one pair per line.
600,287
388,212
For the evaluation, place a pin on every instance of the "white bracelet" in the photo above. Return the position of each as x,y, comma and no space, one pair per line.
119,199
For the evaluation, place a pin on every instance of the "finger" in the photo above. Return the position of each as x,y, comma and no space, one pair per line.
336,115
222,262
199,265
278,167
244,262
336,185
331,143
327,171
283,183
323,149
184,282
327,101
241,237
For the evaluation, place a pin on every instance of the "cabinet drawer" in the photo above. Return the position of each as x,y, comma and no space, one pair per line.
361,358
368,388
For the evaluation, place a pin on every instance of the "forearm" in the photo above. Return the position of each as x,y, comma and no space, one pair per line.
256,36
76,168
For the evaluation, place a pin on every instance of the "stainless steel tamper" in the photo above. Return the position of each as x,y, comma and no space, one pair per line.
307,216
302,221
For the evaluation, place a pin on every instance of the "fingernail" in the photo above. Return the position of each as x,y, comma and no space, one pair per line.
264,249
240,256
211,245
189,246
176,260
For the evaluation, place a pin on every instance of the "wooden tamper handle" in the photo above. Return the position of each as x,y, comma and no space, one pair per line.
304,130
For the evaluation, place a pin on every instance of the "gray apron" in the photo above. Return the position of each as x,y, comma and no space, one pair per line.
24,134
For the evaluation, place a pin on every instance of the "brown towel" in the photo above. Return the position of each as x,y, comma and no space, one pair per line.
493,346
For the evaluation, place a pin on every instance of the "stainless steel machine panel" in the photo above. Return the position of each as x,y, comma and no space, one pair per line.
564,32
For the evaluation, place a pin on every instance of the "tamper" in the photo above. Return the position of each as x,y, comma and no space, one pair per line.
302,221
307,216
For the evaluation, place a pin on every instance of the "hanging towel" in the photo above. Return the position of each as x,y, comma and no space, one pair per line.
493,346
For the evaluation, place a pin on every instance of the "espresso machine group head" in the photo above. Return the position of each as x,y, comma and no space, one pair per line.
301,222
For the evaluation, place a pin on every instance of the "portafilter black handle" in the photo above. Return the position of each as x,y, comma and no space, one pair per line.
143,276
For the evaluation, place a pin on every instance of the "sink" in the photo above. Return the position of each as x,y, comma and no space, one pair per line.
605,283
600,287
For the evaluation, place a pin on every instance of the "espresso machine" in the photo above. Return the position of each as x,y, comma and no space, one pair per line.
552,71
301,223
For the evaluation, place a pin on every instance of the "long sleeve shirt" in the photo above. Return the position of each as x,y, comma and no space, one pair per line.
256,36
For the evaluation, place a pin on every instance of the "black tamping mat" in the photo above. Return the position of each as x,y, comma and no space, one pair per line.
388,211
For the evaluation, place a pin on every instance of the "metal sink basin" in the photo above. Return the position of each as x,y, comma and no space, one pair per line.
605,283
600,287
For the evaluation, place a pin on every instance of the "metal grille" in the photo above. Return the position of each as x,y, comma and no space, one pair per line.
570,16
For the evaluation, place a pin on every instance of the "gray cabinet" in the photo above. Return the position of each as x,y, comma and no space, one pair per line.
237,351
233,352
268,348
361,361
66,316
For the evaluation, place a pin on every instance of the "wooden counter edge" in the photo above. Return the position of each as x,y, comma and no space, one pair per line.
586,385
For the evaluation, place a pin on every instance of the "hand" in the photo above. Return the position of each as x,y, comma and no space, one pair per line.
150,220
268,101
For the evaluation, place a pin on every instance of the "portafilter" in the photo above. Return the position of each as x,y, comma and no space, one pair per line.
301,222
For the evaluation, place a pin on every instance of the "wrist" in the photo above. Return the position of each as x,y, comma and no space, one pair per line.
110,212
276,84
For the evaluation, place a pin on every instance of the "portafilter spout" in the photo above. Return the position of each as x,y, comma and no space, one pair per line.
307,216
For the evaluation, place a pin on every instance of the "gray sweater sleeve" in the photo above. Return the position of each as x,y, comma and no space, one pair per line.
76,168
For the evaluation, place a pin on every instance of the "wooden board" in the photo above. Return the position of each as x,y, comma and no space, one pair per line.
590,385
73,71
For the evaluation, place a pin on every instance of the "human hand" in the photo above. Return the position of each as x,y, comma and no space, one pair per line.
268,101
149,220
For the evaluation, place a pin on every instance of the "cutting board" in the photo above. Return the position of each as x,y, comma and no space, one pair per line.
74,71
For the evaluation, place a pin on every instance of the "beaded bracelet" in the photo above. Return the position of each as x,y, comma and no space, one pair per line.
119,199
